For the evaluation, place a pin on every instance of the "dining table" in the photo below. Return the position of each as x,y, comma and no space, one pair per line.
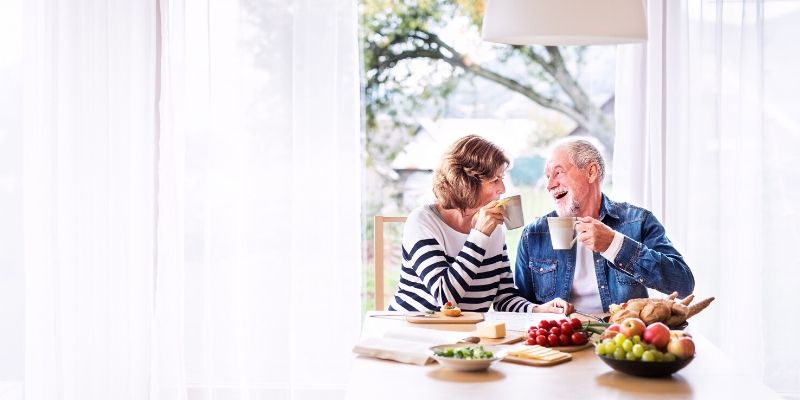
711,375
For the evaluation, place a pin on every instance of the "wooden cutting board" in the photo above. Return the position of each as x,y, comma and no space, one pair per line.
572,349
537,356
510,338
466,317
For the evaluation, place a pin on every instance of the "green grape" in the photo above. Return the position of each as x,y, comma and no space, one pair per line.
648,356
610,347
627,345
637,350
669,357
637,339
630,356
600,349
659,355
619,354
620,338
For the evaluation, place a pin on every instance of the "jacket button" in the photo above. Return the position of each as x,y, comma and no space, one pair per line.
541,269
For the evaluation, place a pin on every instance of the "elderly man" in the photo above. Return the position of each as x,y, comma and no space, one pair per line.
621,249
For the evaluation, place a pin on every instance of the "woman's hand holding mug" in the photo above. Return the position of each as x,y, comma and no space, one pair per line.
488,217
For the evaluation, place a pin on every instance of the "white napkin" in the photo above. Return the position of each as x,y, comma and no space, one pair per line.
406,345
404,351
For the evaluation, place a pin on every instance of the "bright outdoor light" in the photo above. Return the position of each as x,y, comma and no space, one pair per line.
565,22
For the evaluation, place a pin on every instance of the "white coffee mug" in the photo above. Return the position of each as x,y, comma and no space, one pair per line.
512,207
562,232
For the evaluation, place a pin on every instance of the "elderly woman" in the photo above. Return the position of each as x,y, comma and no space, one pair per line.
454,250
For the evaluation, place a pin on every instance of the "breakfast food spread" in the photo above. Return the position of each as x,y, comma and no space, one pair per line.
491,329
671,311
450,310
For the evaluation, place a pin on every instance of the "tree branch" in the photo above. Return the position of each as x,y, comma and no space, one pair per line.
459,60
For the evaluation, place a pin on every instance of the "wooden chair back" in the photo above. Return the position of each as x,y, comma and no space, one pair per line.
380,220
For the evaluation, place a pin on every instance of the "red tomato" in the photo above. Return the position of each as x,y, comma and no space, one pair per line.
553,323
532,329
566,328
555,330
544,324
552,340
579,338
576,324
531,334
564,340
541,340
530,341
542,332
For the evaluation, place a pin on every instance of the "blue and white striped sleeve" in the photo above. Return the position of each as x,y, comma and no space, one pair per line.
508,297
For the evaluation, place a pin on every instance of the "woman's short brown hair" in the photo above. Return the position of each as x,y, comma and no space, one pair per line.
468,161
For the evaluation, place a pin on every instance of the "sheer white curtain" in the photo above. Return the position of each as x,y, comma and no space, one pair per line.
191,188
89,164
718,90
259,170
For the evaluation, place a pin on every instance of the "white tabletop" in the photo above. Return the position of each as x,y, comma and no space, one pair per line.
710,376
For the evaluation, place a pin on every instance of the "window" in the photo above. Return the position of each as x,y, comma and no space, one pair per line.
430,79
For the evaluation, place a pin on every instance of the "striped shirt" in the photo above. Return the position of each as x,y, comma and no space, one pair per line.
441,264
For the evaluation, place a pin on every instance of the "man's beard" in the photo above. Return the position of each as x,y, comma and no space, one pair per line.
569,209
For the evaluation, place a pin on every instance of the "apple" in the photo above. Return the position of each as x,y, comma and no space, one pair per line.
679,334
611,331
657,334
682,348
632,327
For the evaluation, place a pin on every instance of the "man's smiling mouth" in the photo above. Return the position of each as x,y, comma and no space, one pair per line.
559,195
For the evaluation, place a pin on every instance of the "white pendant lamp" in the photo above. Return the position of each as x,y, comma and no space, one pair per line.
565,22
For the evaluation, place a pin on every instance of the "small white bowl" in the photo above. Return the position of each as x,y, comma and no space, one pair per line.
460,364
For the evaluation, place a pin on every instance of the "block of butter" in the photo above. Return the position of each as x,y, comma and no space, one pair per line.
490,329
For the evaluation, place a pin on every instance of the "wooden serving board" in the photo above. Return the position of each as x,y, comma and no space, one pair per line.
572,349
466,317
544,356
510,338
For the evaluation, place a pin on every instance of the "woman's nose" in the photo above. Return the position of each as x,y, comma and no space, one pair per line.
502,188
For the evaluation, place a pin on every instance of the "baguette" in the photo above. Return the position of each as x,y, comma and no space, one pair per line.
699,306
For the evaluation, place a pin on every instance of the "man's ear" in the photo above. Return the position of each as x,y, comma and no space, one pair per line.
593,173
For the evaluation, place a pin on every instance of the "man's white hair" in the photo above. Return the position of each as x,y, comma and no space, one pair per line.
583,151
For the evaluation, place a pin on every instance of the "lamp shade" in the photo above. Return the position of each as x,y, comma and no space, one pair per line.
565,22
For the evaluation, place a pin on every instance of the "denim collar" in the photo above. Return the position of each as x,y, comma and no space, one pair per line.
608,208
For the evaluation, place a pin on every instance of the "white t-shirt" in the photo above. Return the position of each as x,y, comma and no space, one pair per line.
585,295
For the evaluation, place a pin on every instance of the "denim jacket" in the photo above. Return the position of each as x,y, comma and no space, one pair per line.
647,259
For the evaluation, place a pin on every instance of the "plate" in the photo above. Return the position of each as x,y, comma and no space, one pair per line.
653,369
458,364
